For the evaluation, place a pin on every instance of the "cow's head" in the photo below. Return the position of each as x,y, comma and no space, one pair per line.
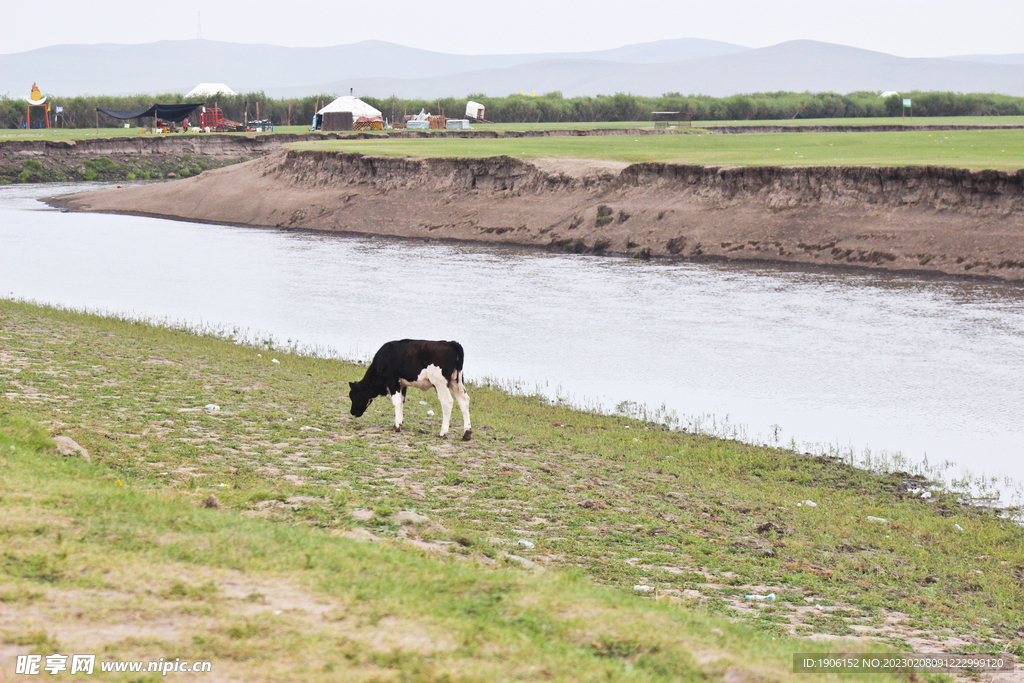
360,398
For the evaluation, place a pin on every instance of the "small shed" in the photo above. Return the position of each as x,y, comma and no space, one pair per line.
671,119
342,113
474,111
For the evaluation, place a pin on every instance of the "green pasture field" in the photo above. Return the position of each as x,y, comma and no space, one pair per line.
87,133
83,133
267,536
969,149
879,121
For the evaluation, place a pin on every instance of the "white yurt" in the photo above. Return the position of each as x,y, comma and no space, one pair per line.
356,106
204,90
348,113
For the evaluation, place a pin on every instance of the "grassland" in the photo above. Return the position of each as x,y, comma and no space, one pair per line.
1003,149
877,121
309,559
89,133
866,121
86,133
968,149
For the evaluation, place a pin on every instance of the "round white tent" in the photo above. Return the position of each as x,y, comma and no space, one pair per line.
356,106
209,90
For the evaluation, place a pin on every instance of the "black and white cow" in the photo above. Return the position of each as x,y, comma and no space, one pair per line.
399,365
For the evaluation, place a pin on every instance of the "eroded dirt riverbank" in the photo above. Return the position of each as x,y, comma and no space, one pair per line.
921,219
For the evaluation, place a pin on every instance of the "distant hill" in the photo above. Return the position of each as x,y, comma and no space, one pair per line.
177,66
990,59
688,66
801,65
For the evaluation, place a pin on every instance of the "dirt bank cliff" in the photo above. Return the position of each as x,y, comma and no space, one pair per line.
924,219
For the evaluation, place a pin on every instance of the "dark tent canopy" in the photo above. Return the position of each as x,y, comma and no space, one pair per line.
168,112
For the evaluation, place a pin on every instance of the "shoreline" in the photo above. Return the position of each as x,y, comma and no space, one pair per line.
704,259
920,221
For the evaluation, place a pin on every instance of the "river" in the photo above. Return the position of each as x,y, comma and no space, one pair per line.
856,363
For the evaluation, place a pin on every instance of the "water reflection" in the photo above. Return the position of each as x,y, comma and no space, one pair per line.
928,368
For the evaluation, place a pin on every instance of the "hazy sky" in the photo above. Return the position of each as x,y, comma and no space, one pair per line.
916,28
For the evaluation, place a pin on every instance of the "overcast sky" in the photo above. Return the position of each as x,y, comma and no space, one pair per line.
916,28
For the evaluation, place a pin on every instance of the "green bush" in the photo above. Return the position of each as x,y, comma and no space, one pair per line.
105,165
79,112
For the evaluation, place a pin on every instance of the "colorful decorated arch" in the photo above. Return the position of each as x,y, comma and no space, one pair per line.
37,105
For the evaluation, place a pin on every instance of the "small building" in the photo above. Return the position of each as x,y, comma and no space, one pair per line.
346,112
475,111
205,90
671,119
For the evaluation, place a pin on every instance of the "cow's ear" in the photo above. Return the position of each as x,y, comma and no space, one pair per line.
351,386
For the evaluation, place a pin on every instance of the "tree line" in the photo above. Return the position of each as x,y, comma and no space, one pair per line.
80,112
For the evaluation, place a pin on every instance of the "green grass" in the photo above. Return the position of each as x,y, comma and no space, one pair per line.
85,133
608,503
133,132
76,540
969,149
878,121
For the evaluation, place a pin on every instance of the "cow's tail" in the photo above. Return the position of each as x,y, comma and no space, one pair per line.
460,357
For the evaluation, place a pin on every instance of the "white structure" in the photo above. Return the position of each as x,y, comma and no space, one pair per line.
209,90
474,110
889,93
355,105
457,124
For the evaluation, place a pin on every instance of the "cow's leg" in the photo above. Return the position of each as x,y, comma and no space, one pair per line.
445,397
398,398
459,389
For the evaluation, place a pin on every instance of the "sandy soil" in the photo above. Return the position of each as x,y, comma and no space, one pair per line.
905,219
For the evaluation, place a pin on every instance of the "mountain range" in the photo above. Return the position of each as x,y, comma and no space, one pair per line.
382,69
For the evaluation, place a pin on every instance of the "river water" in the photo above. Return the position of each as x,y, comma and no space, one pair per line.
923,369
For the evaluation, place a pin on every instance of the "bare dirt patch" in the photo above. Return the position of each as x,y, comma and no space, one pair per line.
909,219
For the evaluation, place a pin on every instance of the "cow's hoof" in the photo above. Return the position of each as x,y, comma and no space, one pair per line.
398,428
467,435
442,435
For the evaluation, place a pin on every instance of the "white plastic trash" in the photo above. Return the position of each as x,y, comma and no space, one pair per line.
423,403
212,407
642,588
274,360
810,504
872,518
526,544
430,412
760,598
